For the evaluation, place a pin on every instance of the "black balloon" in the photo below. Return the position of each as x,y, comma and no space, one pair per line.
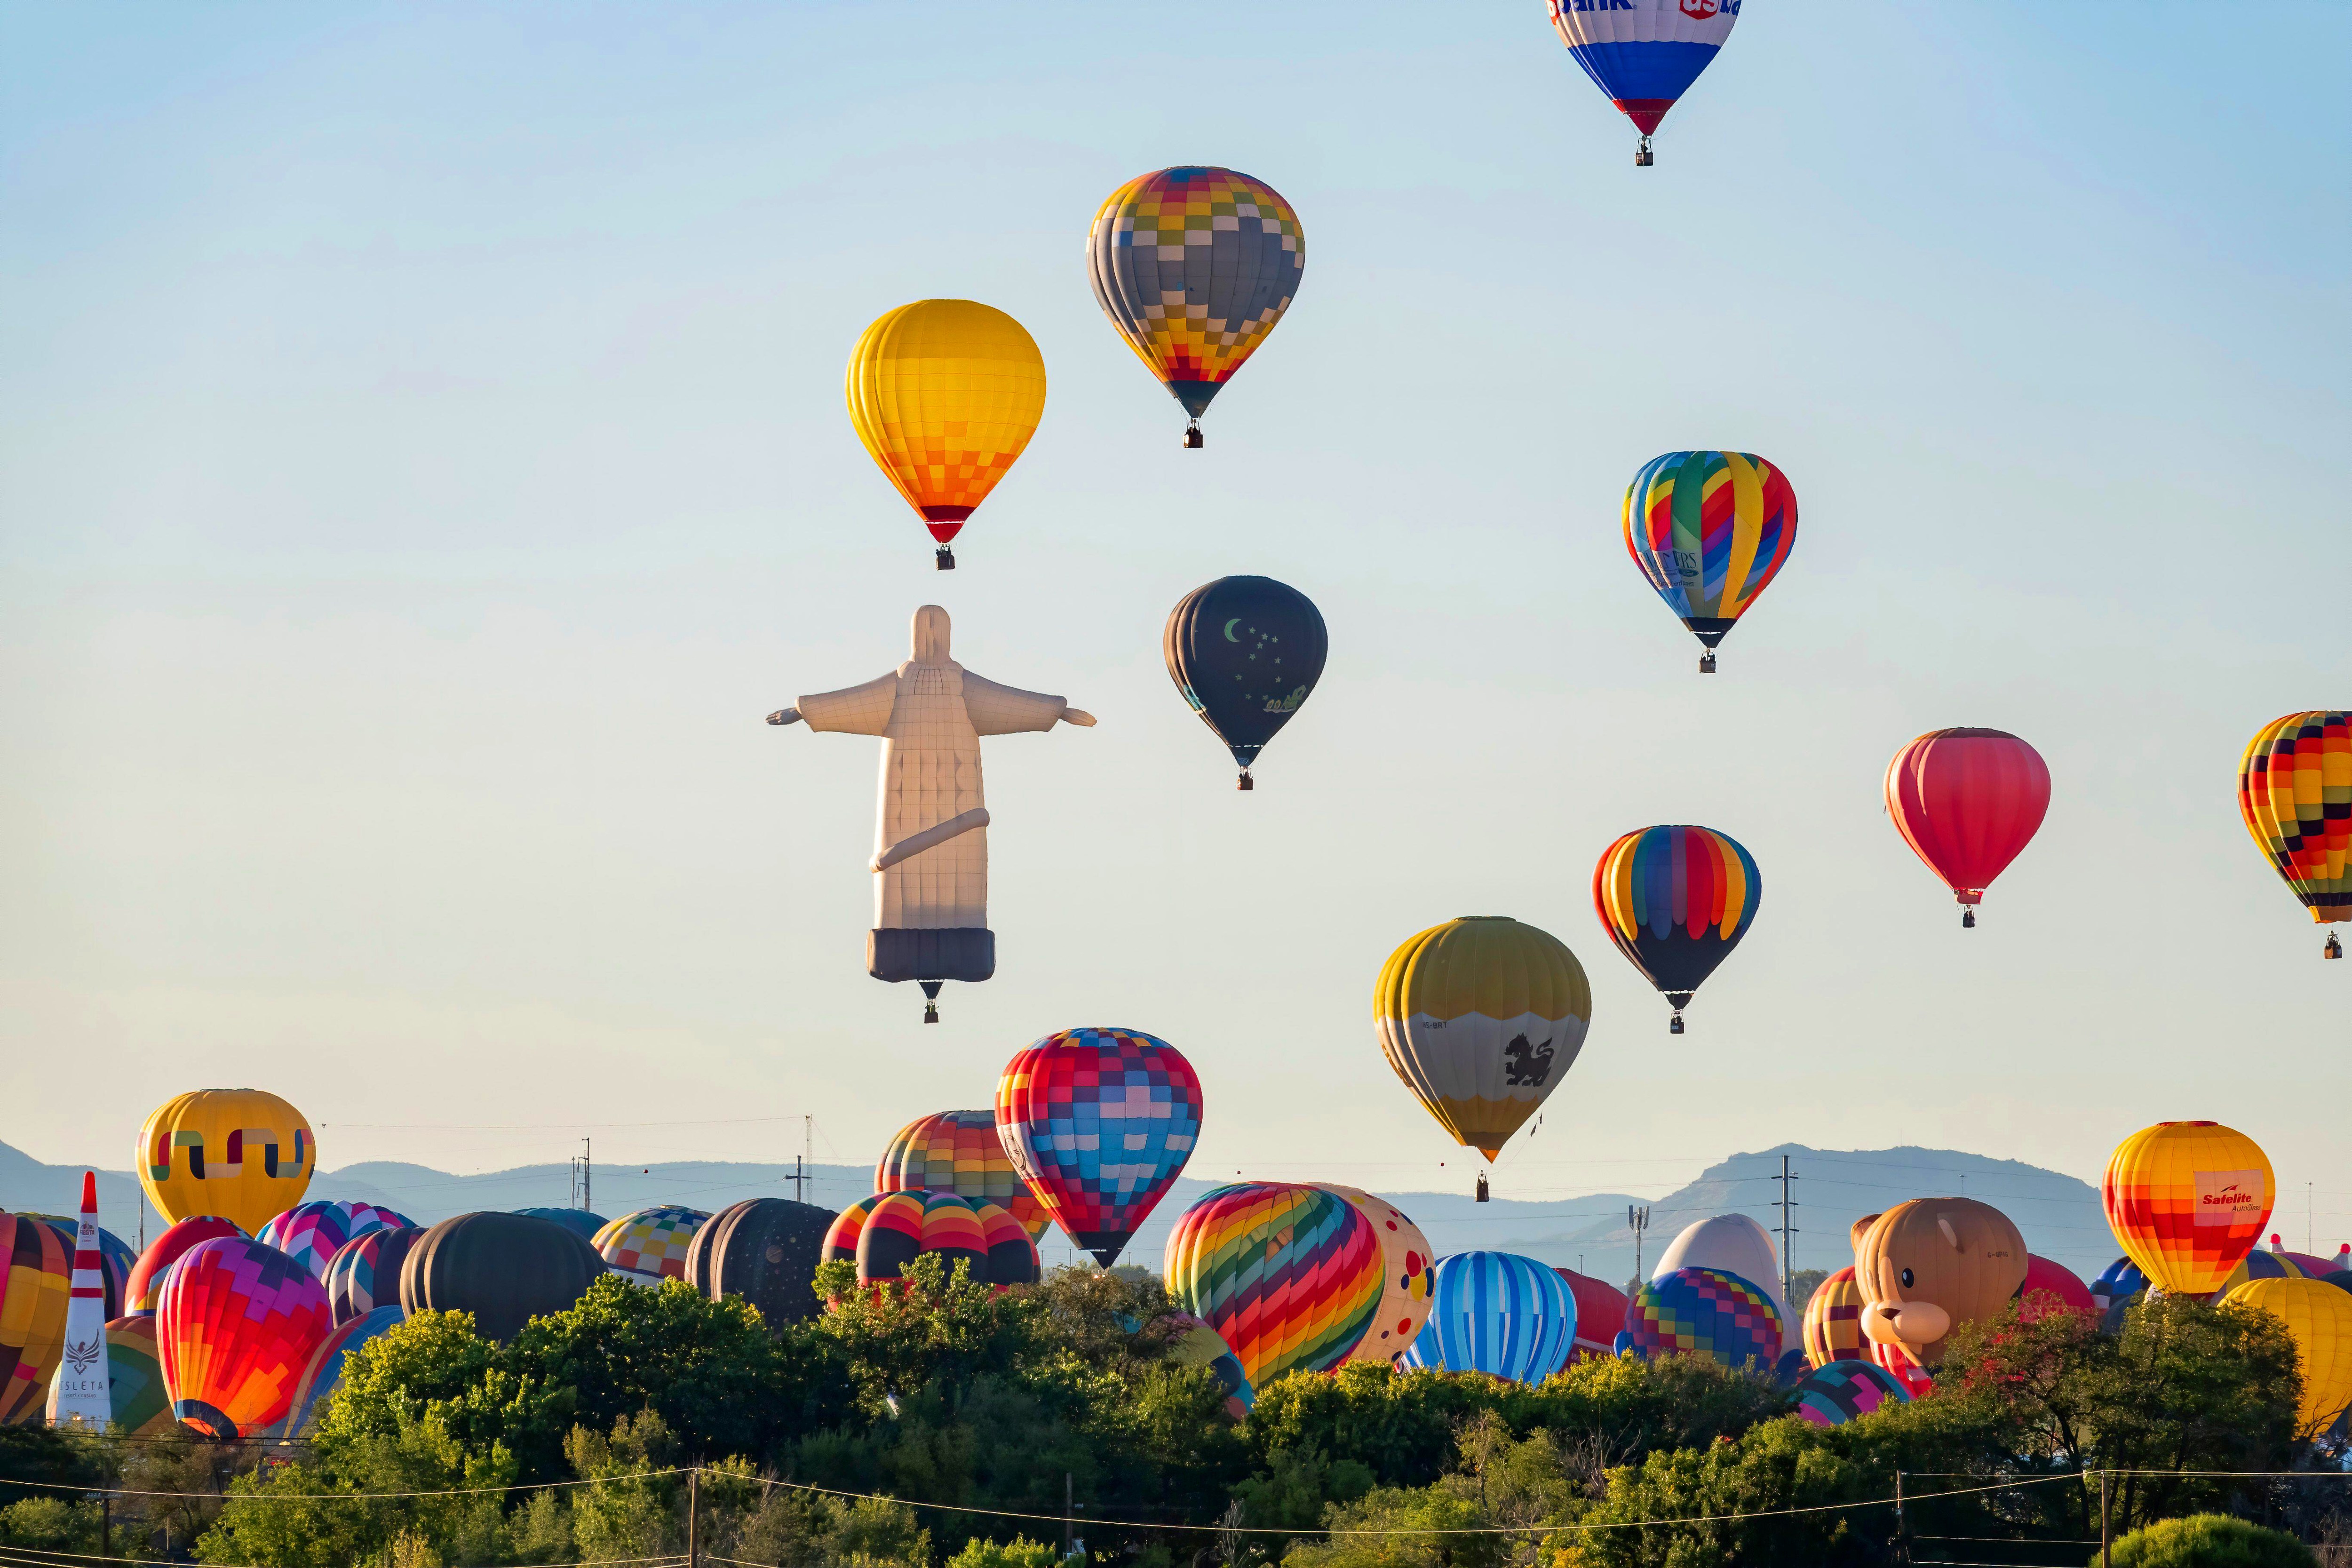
765,1250
505,1269
1245,652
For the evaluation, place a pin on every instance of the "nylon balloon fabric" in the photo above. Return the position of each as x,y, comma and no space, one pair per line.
989,1242
1833,1321
958,1152
1289,1276
1406,1259
1704,1312
312,1232
237,1324
1100,1123
2318,1318
1643,55
2294,792
764,1250
1499,1313
2188,1200
1244,652
34,1291
584,1224
1194,266
364,1273
242,1153
1968,801
1710,530
147,1274
1838,1391
1675,901
842,1235
504,1269
649,1245
1600,1311
323,1372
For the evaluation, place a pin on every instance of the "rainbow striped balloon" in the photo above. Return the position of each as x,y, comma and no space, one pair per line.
1710,530
1676,899
899,1227
1290,1276
959,1151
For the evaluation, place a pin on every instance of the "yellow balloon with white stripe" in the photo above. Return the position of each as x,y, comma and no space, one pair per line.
1482,1017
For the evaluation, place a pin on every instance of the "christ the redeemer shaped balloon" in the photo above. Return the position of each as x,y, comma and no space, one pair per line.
931,839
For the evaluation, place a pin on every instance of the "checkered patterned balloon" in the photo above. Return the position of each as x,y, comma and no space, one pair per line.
650,1246
1833,1321
2295,791
958,1152
1833,1394
237,1323
364,1273
312,1232
1099,1122
1704,1312
1195,267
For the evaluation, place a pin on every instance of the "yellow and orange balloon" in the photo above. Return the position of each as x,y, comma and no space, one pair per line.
2188,1200
2295,791
241,1153
2318,1318
946,394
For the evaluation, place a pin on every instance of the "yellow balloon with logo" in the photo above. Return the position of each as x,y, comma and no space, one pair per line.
946,394
241,1153
2318,1317
1480,1017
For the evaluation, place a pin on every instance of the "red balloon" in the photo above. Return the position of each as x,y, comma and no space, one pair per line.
2042,1275
1600,1313
147,1274
237,1324
1967,801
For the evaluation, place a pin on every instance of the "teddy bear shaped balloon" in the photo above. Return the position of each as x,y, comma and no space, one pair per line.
1926,1267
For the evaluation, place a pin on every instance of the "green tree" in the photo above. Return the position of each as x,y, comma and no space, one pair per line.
2209,1540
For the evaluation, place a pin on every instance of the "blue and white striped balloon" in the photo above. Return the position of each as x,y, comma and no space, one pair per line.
1497,1312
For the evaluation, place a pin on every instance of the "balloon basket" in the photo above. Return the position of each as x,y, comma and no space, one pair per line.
2333,949
1193,442
1642,155
930,1000
1967,920
1245,782
1483,1194
1706,662
946,562
1675,1024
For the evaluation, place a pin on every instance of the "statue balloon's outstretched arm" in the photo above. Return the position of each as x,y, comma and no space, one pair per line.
785,716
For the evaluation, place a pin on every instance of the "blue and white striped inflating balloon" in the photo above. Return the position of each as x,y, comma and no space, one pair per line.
1497,1312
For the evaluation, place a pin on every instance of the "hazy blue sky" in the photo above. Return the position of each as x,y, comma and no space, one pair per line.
423,462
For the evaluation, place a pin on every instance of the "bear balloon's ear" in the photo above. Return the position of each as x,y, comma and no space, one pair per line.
1949,1234
1860,1228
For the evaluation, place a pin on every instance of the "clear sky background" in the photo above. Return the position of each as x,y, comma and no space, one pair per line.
423,463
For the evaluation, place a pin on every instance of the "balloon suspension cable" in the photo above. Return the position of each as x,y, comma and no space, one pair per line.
1193,442
1642,155
1675,1024
1967,920
1245,782
947,559
1706,662
2333,949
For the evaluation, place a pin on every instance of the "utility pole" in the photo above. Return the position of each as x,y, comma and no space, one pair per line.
583,1172
2307,1219
1902,1533
1788,1208
1068,1497
693,1518
2103,1520
1637,1220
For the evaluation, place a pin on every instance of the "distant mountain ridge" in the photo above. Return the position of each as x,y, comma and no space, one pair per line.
2060,1214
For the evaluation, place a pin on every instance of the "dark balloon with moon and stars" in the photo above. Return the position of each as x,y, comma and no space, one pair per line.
1245,652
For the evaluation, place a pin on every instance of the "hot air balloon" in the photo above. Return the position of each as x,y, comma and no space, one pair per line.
1710,530
115,1259
1889,1357
580,1221
364,1272
1406,1261
1482,1017
34,1291
146,1281
1195,267
1704,1312
1676,900
1643,54
134,1372
2295,791
1244,652
2114,1291
503,1268
1289,1276
946,394
766,1250
1499,1313
2188,1200
1599,1310
312,1232
2049,1286
902,1226
237,1323
1931,1265
840,1235
1967,801
649,1245
958,1152
2318,1318
1192,1342
323,1372
1099,1122
241,1153
1833,1321
1838,1391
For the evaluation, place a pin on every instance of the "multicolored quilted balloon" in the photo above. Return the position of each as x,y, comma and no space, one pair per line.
1288,1276
1643,55
38,1274
237,1324
959,1151
134,1372
1838,1391
323,1372
649,1245
1194,266
1710,530
146,1283
364,1273
2294,792
1676,900
1100,1123
2188,1200
1499,1313
1704,1313
899,1228
1406,1261
1833,1321
312,1232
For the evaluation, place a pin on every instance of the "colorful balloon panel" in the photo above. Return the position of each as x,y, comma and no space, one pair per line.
1833,1321
1704,1313
34,1291
1482,1017
841,1237
1838,1391
1406,1261
241,1153
323,1372
1643,54
1599,1310
2188,1200
1288,1276
1194,1343
1890,1357
945,393
899,1228
1100,1123
1710,530
1194,266
138,1405
1244,653
146,1281
2294,792
312,1232
237,1324
1499,1313
649,1245
959,1151
364,1272
1967,802
2318,1317
115,1258
1675,901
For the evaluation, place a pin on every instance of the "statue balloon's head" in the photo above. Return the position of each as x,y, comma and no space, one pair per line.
930,635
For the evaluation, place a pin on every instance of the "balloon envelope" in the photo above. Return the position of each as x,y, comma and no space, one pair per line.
2047,1279
959,1151
323,1372
1194,266
2188,1200
33,1295
2318,1317
1245,652
241,1153
1406,1261
2294,794
1957,1259
1499,1313
1099,1122
945,393
138,1404
312,1232
147,1274
1833,1321
237,1323
1710,530
1288,1276
1735,1244
650,1246
580,1221
1704,1313
1968,801
504,1269
902,1226
1676,899
1482,1017
1600,1311
364,1272
115,1258
1643,54
1195,1343
765,1250
1840,1390
842,1235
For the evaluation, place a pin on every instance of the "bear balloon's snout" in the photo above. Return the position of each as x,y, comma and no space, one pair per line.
1914,1324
